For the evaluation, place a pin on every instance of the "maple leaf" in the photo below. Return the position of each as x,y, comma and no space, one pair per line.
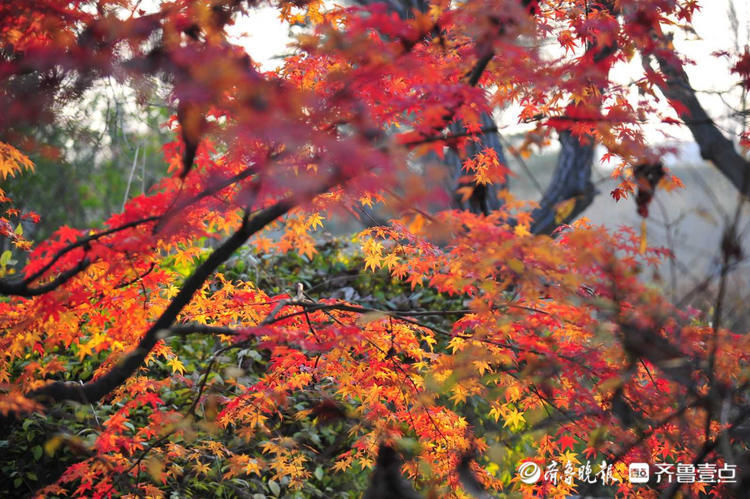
202,468
176,366
521,230
514,419
567,41
262,244
618,194
589,452
372,261
315,220
12,161
342,464
566,442
252,466
496,411
355,116
414,280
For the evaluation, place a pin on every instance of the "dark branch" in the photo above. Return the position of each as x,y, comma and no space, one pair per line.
714,146
386,482
125,284
98,388
185,329
476,73
21,288
571,180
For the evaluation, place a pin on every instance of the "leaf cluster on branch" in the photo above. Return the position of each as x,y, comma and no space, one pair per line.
445,349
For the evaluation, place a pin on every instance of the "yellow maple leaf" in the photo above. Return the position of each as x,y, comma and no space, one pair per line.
342,464
85,349
252,467
564,209
482,366
512,393
372,261
514,419
569,457
389,261
12,161
459,394
176,365
366,200
521,230
315,220
201,468
496,411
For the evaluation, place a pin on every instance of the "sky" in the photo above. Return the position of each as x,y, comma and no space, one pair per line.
263,36
714,31
266,39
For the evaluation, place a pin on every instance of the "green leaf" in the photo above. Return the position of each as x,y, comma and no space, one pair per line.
274,488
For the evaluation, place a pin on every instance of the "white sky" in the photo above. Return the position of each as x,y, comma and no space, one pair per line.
263,35
266,38
714,32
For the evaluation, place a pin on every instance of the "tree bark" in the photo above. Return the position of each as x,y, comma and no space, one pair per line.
484,198
570,180
714,146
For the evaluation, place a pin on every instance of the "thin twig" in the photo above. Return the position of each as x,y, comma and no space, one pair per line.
130,178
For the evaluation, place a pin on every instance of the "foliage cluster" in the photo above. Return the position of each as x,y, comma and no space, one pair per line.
142,357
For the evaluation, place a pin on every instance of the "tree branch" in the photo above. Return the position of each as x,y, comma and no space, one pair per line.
185,329
98,388
21,288
714,146
570,180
